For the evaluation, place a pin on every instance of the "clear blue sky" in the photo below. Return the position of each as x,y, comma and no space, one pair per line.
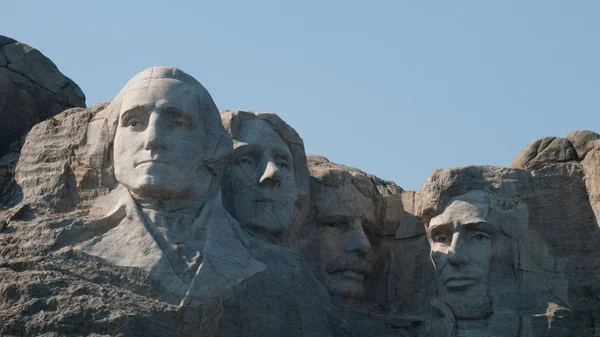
395,88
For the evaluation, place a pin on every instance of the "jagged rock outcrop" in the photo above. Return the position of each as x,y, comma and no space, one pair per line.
545,151
114,224
82,232
564,209
31,89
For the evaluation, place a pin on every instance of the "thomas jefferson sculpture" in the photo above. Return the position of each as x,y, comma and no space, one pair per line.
265,187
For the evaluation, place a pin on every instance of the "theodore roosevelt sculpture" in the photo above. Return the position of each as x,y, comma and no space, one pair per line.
346,205
168,154
265,186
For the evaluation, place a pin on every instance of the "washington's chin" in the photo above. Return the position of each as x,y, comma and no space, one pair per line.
153,186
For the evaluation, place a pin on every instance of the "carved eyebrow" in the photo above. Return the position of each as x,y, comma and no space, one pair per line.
480,226
137,110
440,226
245,149
279,153
177,113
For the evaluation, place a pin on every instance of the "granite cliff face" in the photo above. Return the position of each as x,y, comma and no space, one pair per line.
133,218
32,89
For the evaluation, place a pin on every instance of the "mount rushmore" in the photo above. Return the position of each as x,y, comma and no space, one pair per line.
157,214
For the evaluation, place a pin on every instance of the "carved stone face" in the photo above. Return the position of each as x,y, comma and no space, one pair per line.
461,243
158,146
262,179
340,240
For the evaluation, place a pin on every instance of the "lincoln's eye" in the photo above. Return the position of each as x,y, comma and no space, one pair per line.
243,161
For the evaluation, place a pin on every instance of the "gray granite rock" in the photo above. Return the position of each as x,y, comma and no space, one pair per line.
94,220
580,140
543,152
32,89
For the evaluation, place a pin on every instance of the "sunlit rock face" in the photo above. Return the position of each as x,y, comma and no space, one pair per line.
346,208
32,89
157,215
266,183
126,208
490,264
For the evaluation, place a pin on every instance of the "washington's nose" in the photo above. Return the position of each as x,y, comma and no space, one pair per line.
153,138
356,240
271,175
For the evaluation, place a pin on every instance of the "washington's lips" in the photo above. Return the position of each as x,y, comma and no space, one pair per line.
459,283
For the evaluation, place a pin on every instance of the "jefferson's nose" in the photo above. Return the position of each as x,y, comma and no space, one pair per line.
153,135
356,240
271,175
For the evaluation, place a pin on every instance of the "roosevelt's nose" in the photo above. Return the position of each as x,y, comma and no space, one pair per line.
356,241
457,254
153,135
271,176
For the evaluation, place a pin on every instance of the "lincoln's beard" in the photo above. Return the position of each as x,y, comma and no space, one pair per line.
472,306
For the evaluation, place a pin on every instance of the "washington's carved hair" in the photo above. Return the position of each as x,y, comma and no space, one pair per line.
218,144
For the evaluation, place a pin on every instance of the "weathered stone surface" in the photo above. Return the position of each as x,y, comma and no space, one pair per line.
93,215
113,224
494,272
543,152
580,140
266,185
32,89
346,206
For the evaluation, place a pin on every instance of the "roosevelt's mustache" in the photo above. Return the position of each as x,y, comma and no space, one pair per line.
353,263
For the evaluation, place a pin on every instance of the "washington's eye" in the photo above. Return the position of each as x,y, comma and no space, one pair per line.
180,124
132,123
283,165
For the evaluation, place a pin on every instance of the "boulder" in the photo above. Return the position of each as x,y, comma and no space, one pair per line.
580,140
545,151
32,89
